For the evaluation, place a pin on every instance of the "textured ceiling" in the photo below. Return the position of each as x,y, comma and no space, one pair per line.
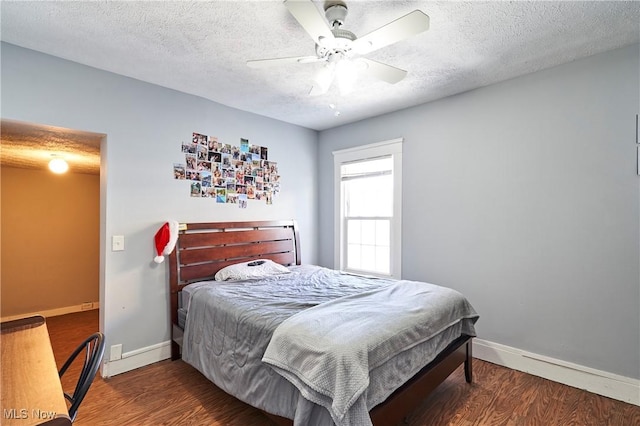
201,47
26,145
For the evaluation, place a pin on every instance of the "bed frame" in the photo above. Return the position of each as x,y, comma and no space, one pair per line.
203,249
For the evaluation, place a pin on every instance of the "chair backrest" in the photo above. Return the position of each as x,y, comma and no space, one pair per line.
93,347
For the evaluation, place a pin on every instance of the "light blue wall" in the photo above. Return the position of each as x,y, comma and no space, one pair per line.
145,125
524,196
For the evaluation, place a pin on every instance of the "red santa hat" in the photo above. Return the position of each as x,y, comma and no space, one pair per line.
165,240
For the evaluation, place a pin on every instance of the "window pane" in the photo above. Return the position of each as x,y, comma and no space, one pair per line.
354,233
368,232
383,233
368,259
353,256
367,197
368,245
367,166
383,256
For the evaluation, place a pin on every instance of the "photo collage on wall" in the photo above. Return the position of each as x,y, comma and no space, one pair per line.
228,173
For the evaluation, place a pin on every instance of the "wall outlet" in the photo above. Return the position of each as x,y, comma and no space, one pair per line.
117,243
87,306
116,352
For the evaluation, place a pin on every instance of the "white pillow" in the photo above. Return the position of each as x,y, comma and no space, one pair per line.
248,270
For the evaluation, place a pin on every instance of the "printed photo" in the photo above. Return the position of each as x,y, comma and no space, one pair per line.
189,148
191,161
204,166
179,171
209,192
232,198
213,143
205,178
228,173
251,192
221,195
239,175
200,139
242,201
226,160
202,152
235,152
195,189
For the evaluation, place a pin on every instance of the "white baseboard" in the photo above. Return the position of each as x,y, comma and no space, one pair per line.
55,312
136,359
596,381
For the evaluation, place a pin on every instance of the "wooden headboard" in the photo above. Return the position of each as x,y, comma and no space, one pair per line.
203,249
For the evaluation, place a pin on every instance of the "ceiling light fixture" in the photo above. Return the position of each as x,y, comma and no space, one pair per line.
347,74
58,165
336,47
323,79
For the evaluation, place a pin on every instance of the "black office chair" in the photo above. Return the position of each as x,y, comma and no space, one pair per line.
94,352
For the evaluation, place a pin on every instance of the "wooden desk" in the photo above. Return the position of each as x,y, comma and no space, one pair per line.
31,389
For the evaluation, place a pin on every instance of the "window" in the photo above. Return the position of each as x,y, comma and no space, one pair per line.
368,208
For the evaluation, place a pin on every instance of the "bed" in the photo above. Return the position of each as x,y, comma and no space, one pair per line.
252,338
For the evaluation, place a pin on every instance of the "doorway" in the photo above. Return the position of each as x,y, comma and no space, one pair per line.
50,239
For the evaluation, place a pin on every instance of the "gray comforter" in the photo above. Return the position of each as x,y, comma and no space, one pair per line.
230,326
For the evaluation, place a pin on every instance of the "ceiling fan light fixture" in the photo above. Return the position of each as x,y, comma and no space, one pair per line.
58,165
335,44
323,78
346,74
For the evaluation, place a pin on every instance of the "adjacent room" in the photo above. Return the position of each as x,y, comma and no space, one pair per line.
308,212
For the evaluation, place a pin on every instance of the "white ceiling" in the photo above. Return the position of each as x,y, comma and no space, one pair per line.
201,47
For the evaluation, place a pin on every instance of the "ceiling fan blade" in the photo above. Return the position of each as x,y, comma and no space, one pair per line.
264,63
382,71
308,15
400,29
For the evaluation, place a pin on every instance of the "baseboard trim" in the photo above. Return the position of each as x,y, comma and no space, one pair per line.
137,358
596,381
578,376
55,312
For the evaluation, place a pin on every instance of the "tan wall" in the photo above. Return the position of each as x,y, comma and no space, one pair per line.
50,240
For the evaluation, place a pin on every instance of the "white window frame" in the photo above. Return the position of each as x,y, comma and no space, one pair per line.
391,148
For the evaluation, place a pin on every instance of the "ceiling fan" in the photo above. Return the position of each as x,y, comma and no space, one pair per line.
340,49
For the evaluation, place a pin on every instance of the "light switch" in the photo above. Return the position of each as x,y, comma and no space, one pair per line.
117,243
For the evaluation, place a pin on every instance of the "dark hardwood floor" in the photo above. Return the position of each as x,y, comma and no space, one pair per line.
174,393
